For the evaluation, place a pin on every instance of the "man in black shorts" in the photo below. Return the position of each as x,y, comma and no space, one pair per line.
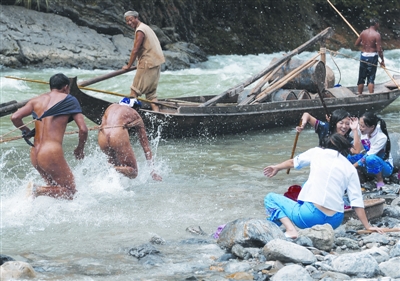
370,40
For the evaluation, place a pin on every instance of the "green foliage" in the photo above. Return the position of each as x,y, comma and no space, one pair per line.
28,3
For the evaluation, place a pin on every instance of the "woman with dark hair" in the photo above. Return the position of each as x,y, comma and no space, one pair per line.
340,122
321,199
375,139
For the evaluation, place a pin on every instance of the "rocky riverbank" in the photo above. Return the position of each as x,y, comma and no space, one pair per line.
256,249
34,39
94,35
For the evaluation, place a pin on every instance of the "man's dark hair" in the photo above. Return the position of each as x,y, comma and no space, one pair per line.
373,21
58,81
339,143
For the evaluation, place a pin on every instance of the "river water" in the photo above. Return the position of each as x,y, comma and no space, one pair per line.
207,181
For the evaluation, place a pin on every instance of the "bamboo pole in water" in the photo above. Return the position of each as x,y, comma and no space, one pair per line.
384,67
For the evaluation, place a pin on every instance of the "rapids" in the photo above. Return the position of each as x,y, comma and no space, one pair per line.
207,181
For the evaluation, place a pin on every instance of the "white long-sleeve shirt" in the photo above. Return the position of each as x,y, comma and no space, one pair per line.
331,174
376,144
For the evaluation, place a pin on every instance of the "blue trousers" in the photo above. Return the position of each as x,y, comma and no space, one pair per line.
373,164
302,214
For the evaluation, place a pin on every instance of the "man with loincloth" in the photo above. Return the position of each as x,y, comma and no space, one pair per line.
147,50
56,109
114,137
370,40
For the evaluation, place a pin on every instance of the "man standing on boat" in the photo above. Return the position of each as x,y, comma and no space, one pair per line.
147,50
370,40
114,137
55,109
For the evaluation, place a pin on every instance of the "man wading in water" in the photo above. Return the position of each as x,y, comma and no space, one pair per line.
56,109
114,140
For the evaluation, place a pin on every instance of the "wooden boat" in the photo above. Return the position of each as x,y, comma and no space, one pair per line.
373,209
240,110
183,117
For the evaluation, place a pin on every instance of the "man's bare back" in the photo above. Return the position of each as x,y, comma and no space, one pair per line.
114,139
47,155
370,40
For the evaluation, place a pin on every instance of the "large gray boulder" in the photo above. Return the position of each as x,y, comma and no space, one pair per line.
356,264
41,39
322,236
286,251
391,267
249,232
14,270
395,149
292,272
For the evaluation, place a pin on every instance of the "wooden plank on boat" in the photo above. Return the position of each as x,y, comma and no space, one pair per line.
264,95
328,32
373,209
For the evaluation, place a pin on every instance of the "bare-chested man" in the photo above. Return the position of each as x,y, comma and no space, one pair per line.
114,138
52,112
370,40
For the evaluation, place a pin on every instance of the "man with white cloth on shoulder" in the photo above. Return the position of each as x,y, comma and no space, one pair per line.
321,199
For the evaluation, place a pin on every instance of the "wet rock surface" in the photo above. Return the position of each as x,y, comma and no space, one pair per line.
44,40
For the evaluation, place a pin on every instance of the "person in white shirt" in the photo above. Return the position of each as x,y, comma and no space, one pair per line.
321,199
375,139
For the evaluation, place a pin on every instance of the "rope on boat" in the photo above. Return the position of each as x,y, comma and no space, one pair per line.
340,73
132,124
337,53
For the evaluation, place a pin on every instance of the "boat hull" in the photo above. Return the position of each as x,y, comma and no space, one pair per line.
225,118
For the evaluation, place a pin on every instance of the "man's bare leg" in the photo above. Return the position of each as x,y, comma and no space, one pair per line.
133,94
55,192
58,177
154,106
360,88
371,88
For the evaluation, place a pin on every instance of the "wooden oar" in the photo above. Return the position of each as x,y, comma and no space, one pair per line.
384,230
294,145
7,109
105,76
384,68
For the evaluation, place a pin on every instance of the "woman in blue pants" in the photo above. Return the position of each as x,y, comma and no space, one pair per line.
321,199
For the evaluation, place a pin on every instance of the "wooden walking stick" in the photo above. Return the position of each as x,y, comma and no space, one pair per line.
294,145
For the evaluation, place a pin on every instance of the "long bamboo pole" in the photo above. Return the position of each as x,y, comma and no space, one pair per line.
384,67
94,90
7,109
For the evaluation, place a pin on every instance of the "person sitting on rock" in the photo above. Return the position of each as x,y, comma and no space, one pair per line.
321,199
377,160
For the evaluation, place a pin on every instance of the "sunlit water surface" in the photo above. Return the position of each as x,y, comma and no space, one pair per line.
207,181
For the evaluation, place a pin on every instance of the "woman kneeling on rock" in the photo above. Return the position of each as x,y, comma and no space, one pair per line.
320,200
